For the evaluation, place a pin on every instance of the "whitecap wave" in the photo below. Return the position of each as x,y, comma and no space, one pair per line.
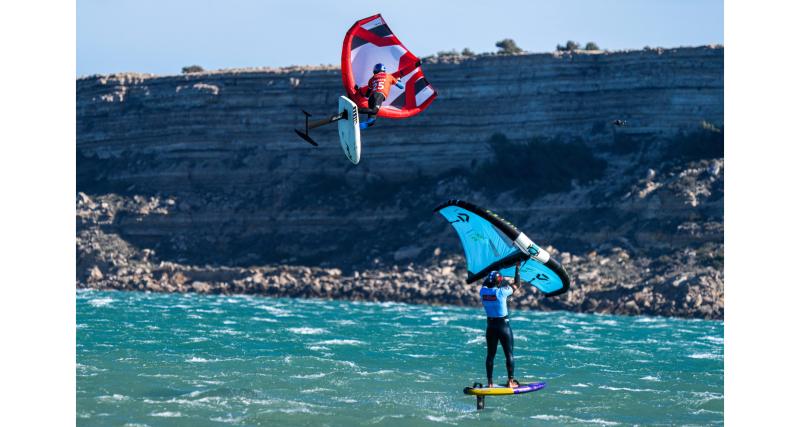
339,342
275,311
166,414
309,376
308,331
710,356
314,390
563,419
633,390
715,340
580,347
101,302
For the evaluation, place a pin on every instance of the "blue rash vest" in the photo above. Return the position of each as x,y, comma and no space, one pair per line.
494,300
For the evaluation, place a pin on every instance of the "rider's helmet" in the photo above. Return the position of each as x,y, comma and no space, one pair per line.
494,278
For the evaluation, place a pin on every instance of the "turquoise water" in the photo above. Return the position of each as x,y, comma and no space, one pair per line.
179,360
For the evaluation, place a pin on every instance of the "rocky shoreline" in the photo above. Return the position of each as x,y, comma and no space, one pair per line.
612,282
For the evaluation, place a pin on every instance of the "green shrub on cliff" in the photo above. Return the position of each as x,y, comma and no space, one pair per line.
570,46
706,142
538,167
591,46
447,53
508,47
192,69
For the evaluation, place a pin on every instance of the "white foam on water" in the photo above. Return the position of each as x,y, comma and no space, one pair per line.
567,392
441,419
380,372
582,385
706,411
580,347
315,390
547,417
633,390
198,339
346,363
226,331
112,398
228,322
101,302
275,311
166,414
476,340
309,376
263,319
228,420
711,356
340,342
566,419
344,322
195,359
420,356
318,348
706,396
715,340
650,378
468,329
308,331
637,352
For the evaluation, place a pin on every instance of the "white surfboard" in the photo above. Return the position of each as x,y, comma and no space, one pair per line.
349,131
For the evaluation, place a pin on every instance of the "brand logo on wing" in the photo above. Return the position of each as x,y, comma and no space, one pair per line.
462,217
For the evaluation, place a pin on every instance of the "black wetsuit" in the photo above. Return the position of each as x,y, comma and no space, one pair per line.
375,101
498,329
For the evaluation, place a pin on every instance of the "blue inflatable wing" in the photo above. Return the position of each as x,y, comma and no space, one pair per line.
492,243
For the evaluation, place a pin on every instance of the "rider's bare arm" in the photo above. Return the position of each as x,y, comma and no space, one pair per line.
517,282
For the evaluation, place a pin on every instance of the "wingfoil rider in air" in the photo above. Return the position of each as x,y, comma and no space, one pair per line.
494,296
377,90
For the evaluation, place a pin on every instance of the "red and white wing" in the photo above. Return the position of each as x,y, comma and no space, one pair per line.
370,41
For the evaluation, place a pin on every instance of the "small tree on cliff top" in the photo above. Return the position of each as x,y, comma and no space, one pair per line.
571,46
508,47
192,69
591,46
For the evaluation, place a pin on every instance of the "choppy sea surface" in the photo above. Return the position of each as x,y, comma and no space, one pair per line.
182,359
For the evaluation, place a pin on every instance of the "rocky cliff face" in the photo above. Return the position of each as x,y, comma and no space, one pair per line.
205,169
